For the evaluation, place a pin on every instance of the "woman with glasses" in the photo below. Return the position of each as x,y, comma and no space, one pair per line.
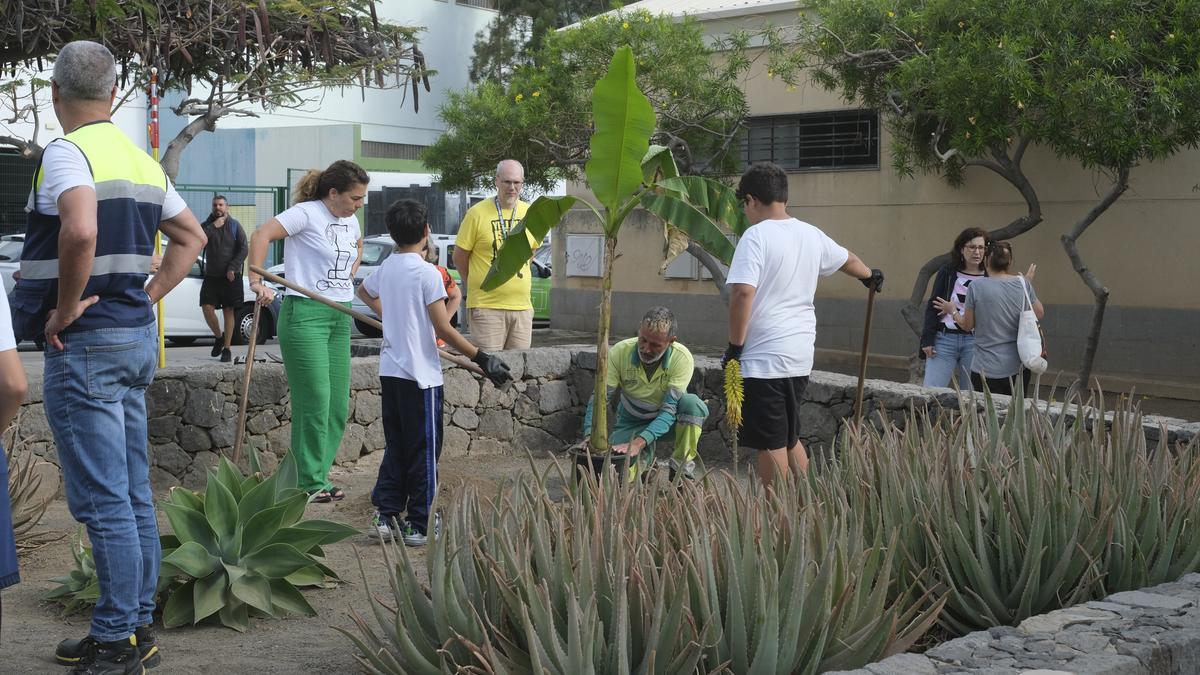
946,346
993,310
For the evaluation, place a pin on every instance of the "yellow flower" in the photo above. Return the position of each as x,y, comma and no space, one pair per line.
647,19
891,14
968,134
734,394
625,25
962,24
536,94
791,87
518,97
969,119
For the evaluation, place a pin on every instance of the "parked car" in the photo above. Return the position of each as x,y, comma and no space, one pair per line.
183,320
10,259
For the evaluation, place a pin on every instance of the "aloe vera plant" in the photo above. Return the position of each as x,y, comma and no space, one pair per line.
711,576
240,548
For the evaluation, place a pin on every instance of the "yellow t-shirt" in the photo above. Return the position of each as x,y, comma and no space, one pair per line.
482,233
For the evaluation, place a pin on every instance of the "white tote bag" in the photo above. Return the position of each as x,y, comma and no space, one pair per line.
1029,336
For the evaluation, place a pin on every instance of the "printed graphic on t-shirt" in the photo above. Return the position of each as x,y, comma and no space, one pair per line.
962,281
500,230
337,276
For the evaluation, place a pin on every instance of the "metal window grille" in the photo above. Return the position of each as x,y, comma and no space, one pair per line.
381,150
16,178
840,139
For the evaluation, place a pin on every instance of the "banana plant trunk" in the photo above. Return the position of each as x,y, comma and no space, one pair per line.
600,390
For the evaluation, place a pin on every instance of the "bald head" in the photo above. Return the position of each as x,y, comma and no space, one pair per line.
510,179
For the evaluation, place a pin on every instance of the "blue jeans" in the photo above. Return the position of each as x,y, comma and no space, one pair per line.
952,354
95,400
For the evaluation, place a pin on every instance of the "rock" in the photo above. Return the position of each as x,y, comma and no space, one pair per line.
204,408
162,480
465,418
1089,643
903,664
496,424
537,442
279,439
33,425
222,434
268,385
1053,622
268,461
352,444
367,407
816,422
364,374
554,396
193,439
516,363
262,422
375,439
1106,664
585,359
455,442
163,428
1144,599
164,397
460,388
552,362
487,446
171,458
525,408
581,382
564,425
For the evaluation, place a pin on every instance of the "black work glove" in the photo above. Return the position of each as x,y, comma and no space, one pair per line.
874,281
496,370
732,353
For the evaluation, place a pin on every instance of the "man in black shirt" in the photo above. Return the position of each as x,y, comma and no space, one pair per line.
223,259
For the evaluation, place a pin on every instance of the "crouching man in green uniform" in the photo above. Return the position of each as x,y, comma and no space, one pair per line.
648,376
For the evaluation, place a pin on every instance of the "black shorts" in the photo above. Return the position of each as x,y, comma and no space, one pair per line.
771,412
221,292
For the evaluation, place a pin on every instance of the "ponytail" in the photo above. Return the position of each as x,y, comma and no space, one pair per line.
1000,256
340,176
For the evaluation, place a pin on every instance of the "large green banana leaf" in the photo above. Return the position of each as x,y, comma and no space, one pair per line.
624,121
693,222
515,252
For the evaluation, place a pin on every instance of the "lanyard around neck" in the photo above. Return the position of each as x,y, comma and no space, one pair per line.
507,227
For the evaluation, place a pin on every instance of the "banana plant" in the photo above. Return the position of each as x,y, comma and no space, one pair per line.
240,548
625,172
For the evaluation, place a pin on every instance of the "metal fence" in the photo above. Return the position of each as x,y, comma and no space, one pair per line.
16,177
250,205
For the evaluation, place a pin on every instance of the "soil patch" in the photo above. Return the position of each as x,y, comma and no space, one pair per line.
296,644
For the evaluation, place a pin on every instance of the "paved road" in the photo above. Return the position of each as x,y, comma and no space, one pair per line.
176,356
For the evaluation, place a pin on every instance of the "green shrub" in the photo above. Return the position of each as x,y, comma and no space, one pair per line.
79,589
656,578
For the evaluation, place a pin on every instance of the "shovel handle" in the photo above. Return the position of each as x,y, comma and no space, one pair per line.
862,363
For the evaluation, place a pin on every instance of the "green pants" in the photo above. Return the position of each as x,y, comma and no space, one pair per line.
690,414
315,342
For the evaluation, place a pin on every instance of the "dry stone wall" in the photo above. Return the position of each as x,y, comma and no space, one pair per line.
192,411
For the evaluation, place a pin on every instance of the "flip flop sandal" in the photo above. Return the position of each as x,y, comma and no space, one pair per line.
320,497
336,494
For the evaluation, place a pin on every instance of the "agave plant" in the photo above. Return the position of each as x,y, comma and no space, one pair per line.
24,486
240,548
664,578
80,589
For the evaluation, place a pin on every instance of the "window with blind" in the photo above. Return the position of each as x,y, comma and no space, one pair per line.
839,139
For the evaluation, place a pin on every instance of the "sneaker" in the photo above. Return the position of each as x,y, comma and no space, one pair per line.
93,657
382,527
226,356
80,652
412,537
218,345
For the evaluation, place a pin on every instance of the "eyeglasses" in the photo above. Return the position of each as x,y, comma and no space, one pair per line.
976,248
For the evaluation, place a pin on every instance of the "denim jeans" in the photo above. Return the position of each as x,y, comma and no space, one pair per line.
95,400
952,354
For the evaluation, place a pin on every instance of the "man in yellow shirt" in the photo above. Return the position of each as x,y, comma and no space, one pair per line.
501,318
649,376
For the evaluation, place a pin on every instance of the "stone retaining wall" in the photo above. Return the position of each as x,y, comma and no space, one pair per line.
1154,631
193,411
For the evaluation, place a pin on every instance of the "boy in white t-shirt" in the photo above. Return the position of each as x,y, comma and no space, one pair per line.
772,322
408,294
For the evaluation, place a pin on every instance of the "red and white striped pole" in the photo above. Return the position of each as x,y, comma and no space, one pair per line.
162,351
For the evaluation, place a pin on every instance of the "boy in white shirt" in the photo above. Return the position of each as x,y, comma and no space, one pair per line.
407,294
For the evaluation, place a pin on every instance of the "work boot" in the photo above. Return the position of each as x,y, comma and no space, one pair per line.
103,658
80,652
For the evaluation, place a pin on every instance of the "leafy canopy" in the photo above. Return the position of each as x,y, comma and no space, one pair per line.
519,29
542,115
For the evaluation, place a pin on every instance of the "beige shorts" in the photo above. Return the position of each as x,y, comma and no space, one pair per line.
497,329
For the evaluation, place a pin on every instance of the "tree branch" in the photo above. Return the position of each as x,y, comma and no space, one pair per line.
714,268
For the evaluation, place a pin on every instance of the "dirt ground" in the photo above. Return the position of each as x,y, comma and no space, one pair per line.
31,627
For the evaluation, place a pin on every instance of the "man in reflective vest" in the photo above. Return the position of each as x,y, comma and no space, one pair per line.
96,202
648,375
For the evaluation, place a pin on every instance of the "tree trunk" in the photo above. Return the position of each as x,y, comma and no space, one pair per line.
28,149
206,122
599,437
1008,168
713,266
1099,291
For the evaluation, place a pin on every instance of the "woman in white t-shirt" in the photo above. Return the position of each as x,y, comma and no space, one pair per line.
322,247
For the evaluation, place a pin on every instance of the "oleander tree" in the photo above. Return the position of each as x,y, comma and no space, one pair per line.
541,113
965,85
229,56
